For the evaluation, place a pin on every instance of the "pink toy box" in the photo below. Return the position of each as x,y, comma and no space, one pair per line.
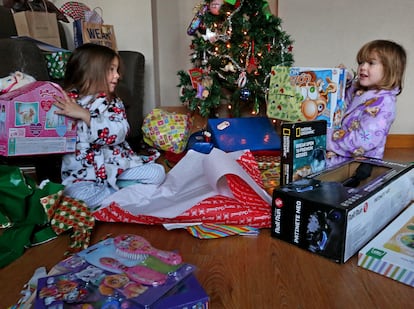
29,125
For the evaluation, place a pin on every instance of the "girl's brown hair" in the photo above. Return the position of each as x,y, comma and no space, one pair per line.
393,58
87,69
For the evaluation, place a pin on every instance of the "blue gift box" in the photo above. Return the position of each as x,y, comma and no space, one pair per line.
253,133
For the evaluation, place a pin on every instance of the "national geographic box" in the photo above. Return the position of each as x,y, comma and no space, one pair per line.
336,212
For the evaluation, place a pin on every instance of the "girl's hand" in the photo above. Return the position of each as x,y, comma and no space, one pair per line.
70,108
350,74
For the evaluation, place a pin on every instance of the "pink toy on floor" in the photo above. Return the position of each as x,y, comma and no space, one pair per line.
134,246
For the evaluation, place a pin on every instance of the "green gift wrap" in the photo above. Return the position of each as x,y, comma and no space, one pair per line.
22,217
56,63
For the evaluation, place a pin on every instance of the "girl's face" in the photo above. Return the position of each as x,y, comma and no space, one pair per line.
112,76
370,72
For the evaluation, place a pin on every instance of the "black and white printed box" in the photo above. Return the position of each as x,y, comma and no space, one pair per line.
334,213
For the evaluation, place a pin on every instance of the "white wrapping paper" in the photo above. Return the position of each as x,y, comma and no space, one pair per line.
195,177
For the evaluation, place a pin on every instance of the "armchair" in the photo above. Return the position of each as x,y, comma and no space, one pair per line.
24,55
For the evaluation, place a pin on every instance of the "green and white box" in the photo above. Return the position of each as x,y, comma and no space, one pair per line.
391,252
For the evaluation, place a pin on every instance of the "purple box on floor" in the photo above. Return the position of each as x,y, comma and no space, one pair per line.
188,294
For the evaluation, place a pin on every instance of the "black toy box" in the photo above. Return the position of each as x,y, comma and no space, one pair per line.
334,213
303,149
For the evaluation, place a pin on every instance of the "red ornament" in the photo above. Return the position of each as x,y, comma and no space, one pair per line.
252,66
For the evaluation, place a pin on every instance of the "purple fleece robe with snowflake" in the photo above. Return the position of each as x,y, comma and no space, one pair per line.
365,125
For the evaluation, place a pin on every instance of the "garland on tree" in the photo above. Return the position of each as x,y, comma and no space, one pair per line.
234,46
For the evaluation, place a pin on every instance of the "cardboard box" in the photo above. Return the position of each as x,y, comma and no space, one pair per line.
254,133
303,149
336,212
306,94
391,252
29,123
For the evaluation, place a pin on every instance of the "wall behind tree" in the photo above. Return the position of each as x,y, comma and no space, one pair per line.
325,33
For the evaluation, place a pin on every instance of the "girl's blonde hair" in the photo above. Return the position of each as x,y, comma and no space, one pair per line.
393,58
87,68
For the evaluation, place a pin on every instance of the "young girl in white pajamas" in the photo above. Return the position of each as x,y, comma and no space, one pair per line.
103,161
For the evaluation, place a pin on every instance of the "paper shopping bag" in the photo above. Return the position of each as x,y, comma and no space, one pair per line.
101,34
41,26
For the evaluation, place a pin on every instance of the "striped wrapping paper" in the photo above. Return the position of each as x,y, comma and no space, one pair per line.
209,231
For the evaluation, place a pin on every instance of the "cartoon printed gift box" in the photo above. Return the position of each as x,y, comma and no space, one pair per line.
29,124
306,94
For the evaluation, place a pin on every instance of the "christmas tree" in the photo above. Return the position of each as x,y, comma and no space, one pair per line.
234,45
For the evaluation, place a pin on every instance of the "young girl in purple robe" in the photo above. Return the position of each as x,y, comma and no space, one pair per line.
371,103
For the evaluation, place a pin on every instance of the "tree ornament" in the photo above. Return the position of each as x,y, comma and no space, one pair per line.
205,60
197,20
210,36
207,81
202,93
266,10
256,107
202,28
252,65
245,94
215,6
229,67
242,80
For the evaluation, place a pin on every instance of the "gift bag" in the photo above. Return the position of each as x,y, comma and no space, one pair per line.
41,26
56,63
91,29
101,34
283,100
167,131
92,16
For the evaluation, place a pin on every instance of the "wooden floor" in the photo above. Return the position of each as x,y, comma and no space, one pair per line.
243,272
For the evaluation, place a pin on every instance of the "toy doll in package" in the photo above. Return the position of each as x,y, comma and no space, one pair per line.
121,272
